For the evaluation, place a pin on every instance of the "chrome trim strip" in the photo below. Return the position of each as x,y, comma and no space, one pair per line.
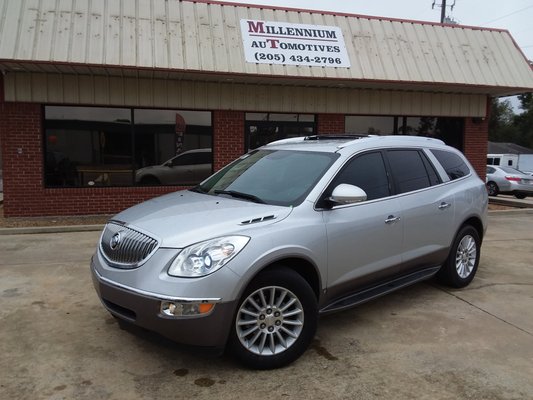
155,296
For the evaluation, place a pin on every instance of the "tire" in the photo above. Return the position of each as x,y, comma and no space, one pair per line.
276,320
492,189
461,265
520,196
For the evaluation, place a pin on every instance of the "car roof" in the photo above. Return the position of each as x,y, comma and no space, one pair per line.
352,143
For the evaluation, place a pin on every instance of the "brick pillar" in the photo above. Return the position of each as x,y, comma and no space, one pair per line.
330,123
228,137
20,133
476,137
475,143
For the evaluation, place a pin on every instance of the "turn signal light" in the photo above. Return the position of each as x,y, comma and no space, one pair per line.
178,309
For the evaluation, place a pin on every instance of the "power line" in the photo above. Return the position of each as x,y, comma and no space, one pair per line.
507,15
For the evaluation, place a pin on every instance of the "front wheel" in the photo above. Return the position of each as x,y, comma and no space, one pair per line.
520,195
461,265
276,320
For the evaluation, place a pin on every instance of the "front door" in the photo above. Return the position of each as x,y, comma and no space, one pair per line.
364,239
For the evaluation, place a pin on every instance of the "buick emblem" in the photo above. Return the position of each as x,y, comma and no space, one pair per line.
115,240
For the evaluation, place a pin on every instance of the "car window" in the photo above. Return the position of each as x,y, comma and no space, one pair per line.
509,170
490,170
368,172
408,170
453,164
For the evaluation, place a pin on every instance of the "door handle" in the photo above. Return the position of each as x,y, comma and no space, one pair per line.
444,206
391,219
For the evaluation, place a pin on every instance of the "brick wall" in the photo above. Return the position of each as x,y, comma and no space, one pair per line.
228,137
476,136
330,123
24,192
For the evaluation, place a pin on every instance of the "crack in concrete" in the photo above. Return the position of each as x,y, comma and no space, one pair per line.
497,284
485,311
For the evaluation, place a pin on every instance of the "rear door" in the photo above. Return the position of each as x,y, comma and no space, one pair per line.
428,209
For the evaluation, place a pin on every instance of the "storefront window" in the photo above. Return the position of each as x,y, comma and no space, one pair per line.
448,129
372,125
263,128
93,146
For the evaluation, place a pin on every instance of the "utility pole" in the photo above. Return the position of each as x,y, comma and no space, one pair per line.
442,6
443,11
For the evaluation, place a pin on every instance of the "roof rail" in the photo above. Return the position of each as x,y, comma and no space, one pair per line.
337,136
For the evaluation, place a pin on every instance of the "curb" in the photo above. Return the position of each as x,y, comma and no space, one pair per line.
517,211
50,229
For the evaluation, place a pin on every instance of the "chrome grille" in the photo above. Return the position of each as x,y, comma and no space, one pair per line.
125,247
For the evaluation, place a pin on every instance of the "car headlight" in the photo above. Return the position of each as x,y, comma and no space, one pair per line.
204,258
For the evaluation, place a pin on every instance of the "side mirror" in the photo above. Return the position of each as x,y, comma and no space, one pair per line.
347,194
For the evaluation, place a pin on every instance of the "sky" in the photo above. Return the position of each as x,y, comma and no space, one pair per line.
516,16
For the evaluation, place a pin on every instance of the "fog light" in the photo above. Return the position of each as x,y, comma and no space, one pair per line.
184,309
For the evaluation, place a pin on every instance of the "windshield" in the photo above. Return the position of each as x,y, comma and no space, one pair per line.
279,177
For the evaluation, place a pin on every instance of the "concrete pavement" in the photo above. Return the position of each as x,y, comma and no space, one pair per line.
424,342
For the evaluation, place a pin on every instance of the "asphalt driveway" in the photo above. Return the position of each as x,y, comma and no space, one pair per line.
424,342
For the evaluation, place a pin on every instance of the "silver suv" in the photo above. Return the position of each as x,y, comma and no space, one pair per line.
250,258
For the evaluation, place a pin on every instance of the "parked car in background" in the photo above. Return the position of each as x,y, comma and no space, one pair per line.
250,258
522,162
508,180
187,168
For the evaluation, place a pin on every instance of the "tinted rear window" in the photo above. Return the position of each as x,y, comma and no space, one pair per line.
408,170
453,164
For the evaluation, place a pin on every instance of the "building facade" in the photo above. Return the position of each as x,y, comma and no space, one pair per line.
104,104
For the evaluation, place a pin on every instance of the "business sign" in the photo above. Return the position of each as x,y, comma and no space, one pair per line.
269,42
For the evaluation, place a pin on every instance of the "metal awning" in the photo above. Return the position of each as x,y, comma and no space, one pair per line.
202,41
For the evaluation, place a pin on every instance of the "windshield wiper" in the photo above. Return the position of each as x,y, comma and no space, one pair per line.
198,189
241,195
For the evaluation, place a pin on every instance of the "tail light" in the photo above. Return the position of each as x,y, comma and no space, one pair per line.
513,178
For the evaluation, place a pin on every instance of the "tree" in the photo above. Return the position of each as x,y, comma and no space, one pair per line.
524,122
501,122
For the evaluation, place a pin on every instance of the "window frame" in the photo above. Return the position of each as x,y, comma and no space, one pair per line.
132,134
322,201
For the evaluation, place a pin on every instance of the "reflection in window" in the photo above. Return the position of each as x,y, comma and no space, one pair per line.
263,128
448,129
87,146
172,147
93,146
368,172
371,125
409,170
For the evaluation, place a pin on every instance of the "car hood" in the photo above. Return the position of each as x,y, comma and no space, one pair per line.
183,218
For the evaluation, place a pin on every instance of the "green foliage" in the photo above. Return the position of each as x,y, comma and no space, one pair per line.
505,126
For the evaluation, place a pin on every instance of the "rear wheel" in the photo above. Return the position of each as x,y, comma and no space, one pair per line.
276,320
461,265
520,195
492,189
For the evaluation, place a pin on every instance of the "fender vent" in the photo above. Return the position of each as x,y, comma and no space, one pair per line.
257,220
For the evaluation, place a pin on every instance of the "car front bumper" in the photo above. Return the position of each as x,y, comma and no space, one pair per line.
144,309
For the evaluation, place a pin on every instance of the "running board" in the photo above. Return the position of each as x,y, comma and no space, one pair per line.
363,296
